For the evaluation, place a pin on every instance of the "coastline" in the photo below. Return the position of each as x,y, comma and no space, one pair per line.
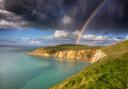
85,55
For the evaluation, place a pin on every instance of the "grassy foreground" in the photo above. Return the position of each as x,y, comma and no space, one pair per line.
110,73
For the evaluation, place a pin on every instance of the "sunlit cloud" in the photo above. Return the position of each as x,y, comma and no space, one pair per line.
61,34
73,35
95,37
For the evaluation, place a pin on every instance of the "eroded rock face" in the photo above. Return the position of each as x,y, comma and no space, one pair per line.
99,54
90,55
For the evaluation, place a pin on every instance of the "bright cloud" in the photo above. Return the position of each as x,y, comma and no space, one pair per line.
61,34
95,37
74,35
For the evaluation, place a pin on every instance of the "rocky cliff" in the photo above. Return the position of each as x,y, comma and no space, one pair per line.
90,55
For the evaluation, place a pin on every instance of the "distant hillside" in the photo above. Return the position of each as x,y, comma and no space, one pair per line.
110,73
117,50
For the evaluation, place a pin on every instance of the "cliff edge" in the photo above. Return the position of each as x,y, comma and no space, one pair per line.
70,52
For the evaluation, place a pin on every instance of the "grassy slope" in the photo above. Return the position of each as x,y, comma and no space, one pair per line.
53,49
68,47
111,73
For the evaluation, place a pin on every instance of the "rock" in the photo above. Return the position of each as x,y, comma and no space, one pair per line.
90,55
98,55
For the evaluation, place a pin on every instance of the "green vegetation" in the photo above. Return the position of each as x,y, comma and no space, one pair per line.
110,73
53,49
117,50
67,47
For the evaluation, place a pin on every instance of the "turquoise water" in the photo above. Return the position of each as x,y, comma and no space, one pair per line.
20,71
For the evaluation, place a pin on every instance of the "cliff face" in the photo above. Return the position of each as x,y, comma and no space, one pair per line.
99,54
91,55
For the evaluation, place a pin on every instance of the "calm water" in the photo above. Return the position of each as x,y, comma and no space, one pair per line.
20,71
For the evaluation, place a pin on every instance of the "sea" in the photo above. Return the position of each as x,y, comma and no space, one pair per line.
21,71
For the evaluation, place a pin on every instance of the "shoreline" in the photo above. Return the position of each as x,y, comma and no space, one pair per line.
91,56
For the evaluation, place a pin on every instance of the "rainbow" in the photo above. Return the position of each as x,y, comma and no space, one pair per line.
87,22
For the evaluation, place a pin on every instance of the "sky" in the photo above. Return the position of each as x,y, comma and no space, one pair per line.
53,22
49,37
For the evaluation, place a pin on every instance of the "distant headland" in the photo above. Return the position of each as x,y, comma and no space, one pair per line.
70,52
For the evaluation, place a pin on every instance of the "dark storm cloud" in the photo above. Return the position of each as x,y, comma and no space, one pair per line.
51,11
38,10
113,17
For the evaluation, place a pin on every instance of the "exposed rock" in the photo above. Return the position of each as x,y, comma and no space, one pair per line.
90,55
98,55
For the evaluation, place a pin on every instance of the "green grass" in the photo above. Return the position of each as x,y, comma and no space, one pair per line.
110,73
68,47
117,50
53,49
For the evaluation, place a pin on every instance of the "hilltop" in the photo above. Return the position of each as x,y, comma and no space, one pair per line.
110,73
68,47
